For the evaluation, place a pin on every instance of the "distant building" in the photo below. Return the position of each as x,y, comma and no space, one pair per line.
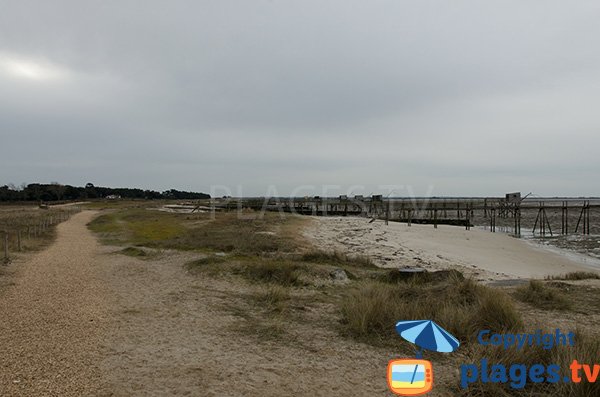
513,197
113,197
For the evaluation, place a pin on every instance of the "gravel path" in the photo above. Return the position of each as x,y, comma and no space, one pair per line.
54,318
84,320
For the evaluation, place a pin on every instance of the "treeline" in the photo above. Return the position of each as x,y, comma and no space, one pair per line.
58,192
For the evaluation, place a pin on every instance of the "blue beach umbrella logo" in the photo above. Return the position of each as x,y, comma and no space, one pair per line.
427,335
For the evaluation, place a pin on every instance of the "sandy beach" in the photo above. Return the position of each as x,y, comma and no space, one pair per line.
484,255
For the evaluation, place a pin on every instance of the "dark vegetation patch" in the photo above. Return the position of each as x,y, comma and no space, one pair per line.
198,264
134,252
573,276
336,258
262,270
402,276
543,296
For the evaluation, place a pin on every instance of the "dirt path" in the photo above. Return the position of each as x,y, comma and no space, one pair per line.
54,317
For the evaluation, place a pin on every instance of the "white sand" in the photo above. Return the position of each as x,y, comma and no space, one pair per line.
481,253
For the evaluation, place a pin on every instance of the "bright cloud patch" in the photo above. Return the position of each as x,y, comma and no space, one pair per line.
30,69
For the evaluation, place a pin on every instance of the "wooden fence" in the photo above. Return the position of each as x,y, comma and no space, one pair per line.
17,232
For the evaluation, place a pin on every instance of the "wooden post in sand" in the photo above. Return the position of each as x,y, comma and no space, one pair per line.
545,218
565,218
19,240
579,219
586,223
537,218
562,219
517,218
588,218
585,216
542,218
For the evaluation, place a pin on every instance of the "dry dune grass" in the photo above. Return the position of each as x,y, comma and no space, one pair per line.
544,296
576,276
461,306
337,258
263,270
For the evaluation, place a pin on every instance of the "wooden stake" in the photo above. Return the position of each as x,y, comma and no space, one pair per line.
548,222
537,218
566,217
580,216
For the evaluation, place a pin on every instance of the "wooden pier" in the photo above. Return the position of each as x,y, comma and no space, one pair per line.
540,217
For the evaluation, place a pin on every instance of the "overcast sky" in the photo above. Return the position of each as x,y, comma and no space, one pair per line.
436,97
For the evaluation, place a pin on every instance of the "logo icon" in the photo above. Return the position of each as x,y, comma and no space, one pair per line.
413,377
410,377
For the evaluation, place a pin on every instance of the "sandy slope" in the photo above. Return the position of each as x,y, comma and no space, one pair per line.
53,319
182,334
484,254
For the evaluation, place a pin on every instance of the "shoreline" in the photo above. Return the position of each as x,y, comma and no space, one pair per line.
484,255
